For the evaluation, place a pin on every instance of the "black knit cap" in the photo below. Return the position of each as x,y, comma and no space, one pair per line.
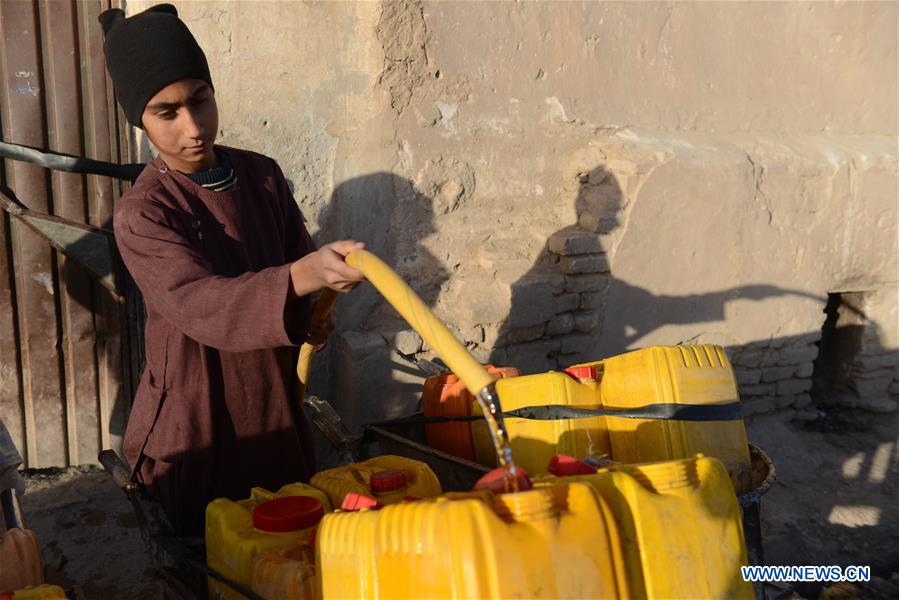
146,52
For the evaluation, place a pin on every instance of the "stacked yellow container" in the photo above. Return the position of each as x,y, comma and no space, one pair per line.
688,374
680,526
666,530
525,545
388,479
242,539
676,375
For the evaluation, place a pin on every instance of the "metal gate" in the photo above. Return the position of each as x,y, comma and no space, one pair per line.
68,360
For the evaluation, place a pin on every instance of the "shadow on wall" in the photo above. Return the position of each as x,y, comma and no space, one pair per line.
543,332
387,213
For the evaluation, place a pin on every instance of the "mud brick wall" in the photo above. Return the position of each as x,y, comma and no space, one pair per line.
776,378
565,182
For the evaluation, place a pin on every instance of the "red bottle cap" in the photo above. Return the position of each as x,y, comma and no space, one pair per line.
353,501
388,481
289,513
495,481
562,465
582,372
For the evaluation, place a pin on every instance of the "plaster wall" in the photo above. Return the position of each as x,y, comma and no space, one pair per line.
566,181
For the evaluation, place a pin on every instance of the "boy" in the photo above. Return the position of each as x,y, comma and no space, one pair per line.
217,246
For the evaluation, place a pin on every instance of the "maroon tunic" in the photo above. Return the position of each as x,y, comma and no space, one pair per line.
215,412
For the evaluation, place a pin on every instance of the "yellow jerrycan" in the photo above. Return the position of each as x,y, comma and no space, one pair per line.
688,374
549,543
679,524
238,532
388,479
535,442
40,592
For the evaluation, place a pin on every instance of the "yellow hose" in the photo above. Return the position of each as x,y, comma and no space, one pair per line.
416,313
304,364
422,320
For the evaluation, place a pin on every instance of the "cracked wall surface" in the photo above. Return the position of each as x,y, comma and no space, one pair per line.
564,182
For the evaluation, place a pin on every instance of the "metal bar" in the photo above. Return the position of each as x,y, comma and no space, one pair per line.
68,162
92,247
33,262
62,87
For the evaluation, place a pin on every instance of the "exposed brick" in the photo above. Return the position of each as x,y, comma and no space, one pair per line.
586,321
771,357
585,283
574,240
795,356
761,389
871,363
805,370
875,374
561,325
598,223
894,388
777,342
756,406
567,302
802,400
748,376
750,357
793,386
524,334
585,263
535,301
777,373
532,357
871,387
590,300
880,404
784,401
580,344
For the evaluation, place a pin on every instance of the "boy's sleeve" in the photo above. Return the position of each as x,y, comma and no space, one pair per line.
234,314
297,244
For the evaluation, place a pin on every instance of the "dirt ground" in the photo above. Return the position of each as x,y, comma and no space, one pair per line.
835,502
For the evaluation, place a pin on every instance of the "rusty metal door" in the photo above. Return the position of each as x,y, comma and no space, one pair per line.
68,361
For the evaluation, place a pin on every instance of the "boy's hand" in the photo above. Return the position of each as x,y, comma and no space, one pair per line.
334,272
325,268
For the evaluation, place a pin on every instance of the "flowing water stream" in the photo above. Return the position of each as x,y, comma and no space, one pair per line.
493,414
